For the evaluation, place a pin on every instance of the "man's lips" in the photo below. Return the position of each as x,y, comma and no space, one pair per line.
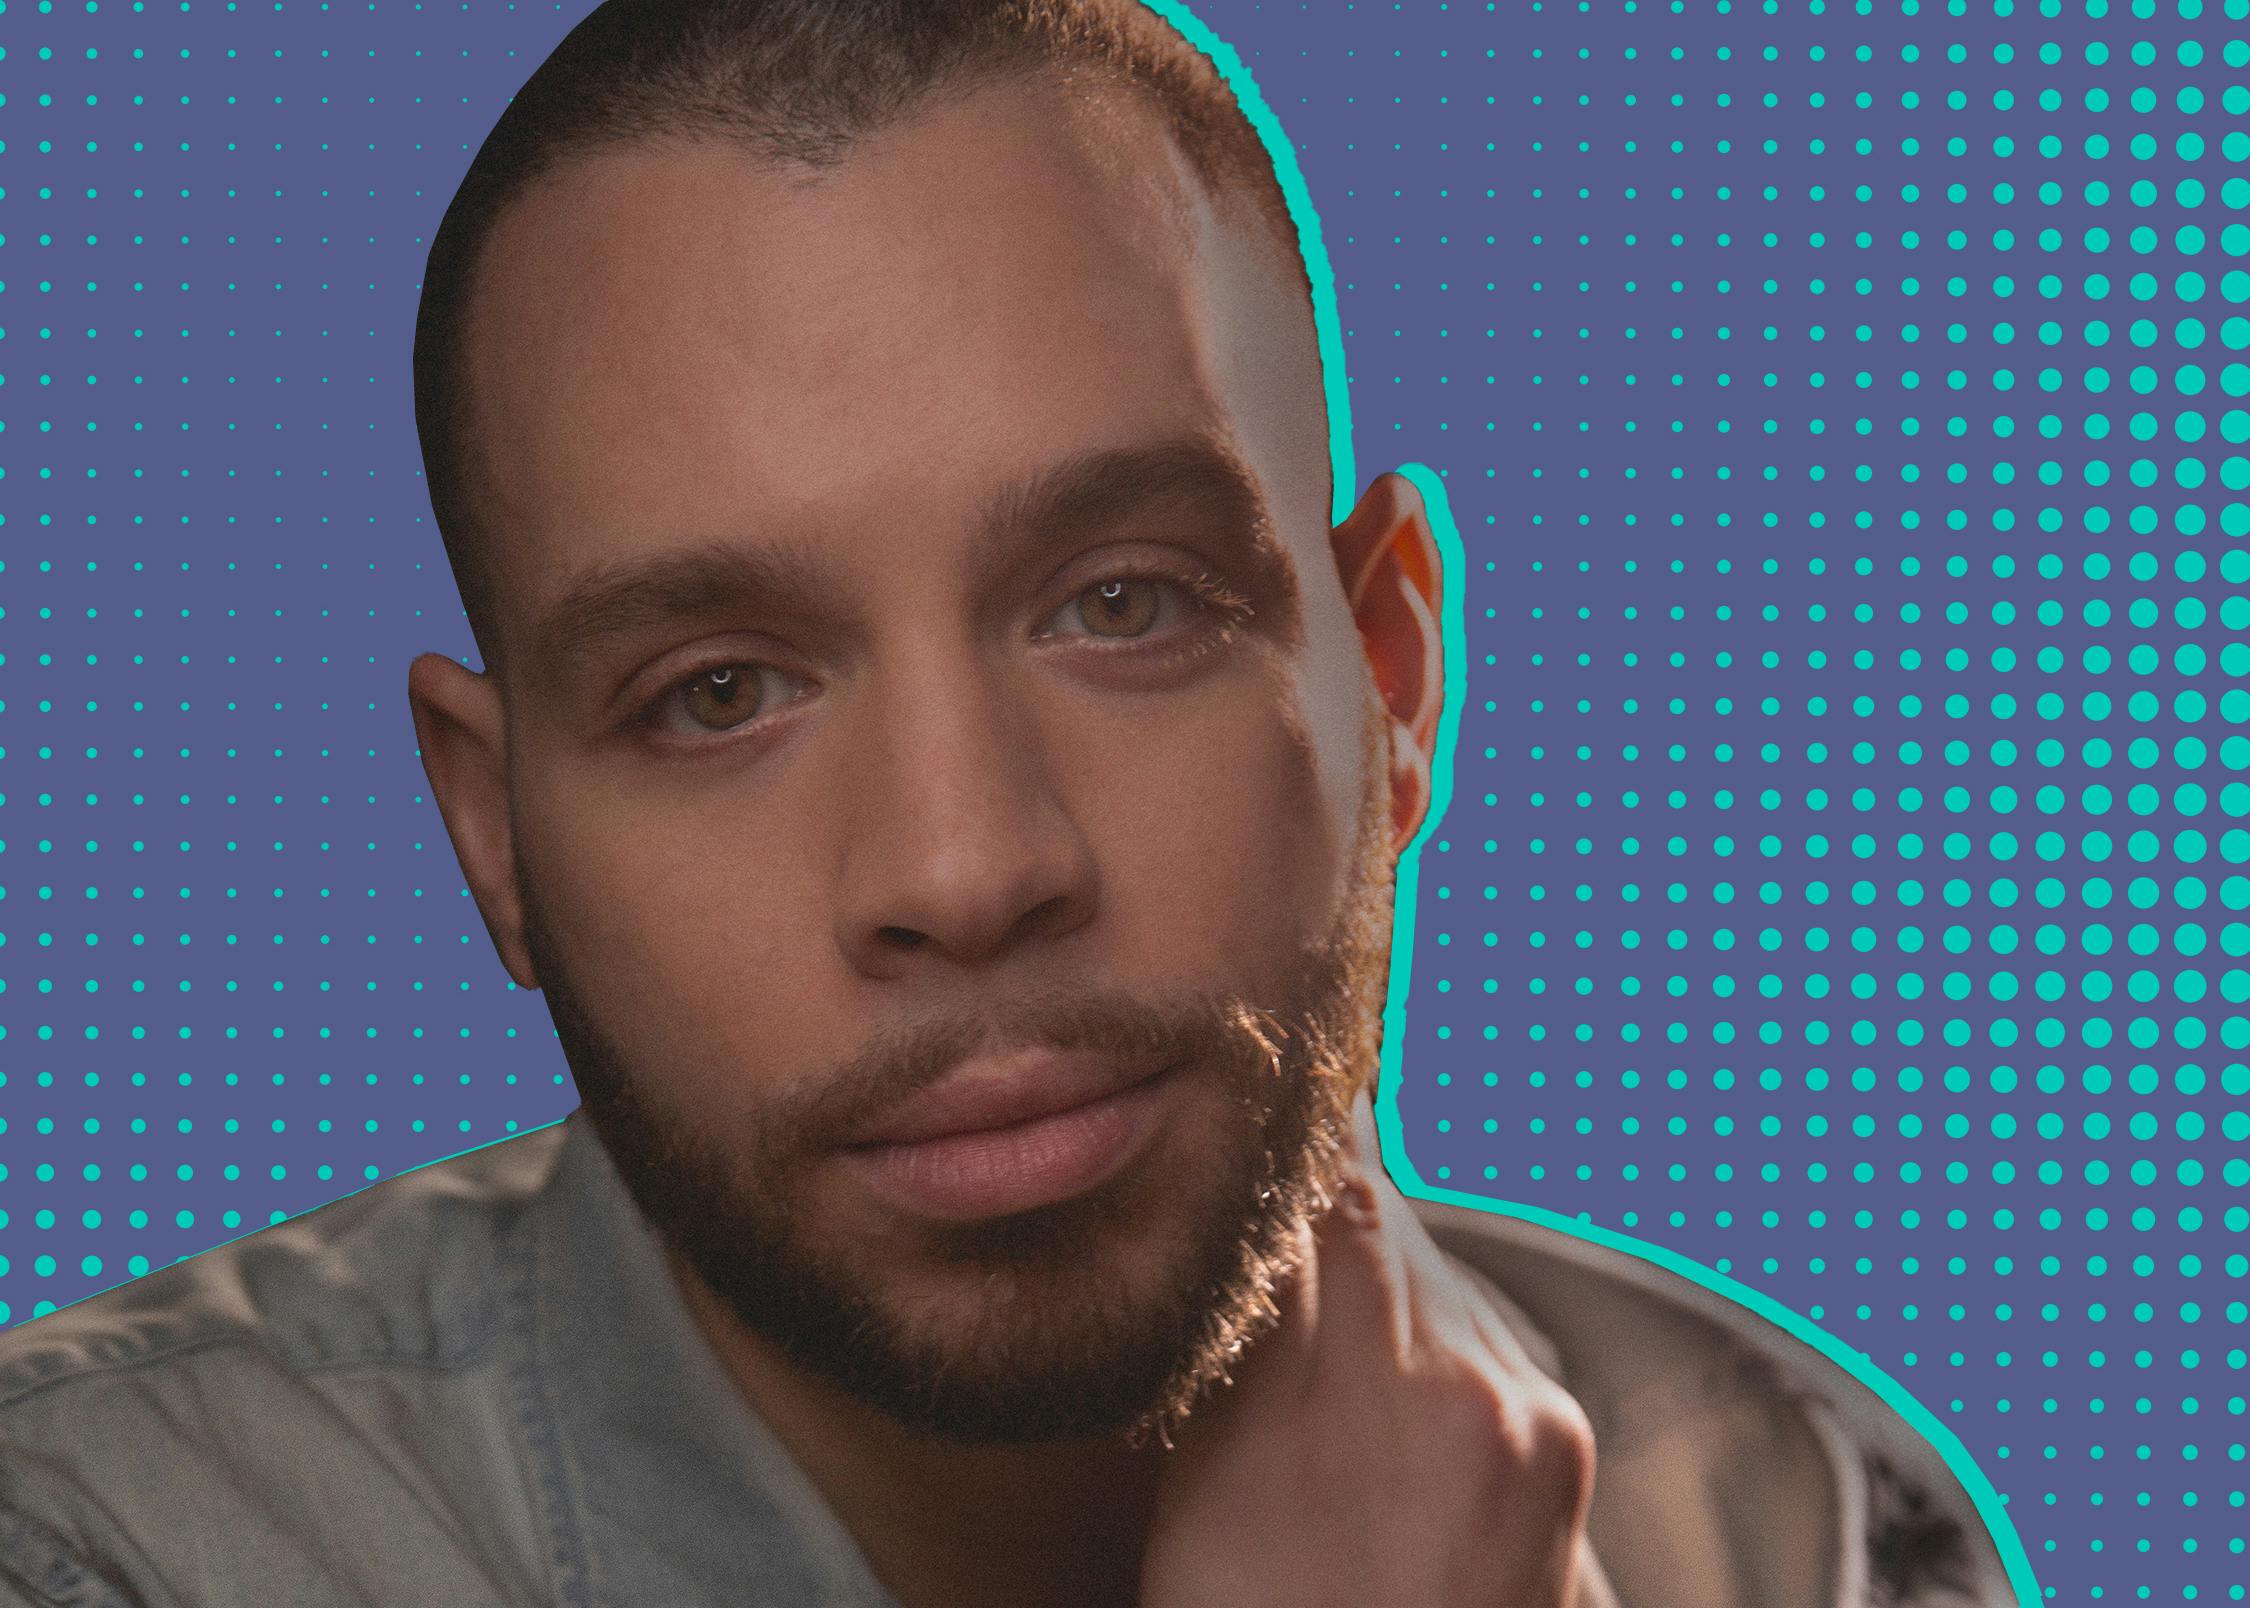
999,1091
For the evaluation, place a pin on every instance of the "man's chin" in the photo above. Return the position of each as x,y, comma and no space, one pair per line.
1085,1318
1134,1235
1021,1354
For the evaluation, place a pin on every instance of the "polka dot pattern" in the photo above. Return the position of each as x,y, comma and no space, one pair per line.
1842,405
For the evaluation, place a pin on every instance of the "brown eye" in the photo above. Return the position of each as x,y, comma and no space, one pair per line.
723,697
1124,606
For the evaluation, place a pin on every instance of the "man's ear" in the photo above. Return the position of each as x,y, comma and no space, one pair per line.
1393,575
462,728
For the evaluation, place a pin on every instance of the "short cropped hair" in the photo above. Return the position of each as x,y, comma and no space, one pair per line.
795,83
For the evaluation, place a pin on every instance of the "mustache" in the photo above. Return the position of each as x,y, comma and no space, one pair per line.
1202,1027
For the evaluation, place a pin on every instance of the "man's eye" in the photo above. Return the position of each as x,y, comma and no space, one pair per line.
721,697
1122,607
1125,606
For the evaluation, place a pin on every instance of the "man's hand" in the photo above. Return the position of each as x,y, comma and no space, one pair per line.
1389,1445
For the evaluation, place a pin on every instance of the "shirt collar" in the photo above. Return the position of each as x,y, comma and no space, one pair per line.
658,1482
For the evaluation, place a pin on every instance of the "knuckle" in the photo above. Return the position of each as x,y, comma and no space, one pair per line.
1463,1387
1475,1402
1562,1452
1530,1433
1355,1205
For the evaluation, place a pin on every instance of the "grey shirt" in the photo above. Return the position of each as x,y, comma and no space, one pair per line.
476,1384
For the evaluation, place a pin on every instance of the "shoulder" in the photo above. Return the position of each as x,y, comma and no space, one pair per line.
400,1271
1705,1404
341,1359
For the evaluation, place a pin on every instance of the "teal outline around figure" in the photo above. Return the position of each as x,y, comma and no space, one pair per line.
1980,1489
1313,246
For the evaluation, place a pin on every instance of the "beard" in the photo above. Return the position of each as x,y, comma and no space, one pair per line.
1041,1336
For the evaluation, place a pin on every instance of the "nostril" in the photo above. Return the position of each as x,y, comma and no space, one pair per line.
903,937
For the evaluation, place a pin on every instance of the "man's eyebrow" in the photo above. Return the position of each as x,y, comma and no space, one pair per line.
1102,487
793,575
1099,487
616,601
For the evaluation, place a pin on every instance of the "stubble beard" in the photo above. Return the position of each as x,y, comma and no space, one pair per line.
1038,1339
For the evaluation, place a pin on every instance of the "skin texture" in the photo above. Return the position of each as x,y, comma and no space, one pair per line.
962,814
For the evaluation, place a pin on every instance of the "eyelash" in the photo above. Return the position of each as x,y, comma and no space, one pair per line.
651,717
1224,611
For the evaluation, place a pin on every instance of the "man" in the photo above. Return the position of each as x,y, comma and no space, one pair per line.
946,772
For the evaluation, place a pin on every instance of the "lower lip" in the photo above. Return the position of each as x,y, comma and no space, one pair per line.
966,1177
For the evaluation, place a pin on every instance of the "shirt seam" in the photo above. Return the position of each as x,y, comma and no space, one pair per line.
569,1566
98,1369
451,1359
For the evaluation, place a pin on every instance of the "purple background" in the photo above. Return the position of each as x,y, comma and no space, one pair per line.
1691,398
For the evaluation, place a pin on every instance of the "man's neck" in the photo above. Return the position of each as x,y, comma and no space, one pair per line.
1059,1525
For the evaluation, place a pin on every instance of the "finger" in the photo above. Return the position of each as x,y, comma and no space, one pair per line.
1463,1301
1594,1589
1444,1295
1362,1150
1429,1297
1363,1155
1363,1145
1360,1295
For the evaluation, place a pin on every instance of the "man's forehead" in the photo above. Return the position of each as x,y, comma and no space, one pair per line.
692,246
672,337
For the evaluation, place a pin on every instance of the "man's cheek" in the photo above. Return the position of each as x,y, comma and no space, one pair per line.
1216,862
723,959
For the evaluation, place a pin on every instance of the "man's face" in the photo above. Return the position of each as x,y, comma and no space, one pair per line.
1040,719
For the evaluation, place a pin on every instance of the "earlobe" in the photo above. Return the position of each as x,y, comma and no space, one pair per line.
461,727
1410,786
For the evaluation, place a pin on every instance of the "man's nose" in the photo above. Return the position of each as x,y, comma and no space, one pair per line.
960,845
